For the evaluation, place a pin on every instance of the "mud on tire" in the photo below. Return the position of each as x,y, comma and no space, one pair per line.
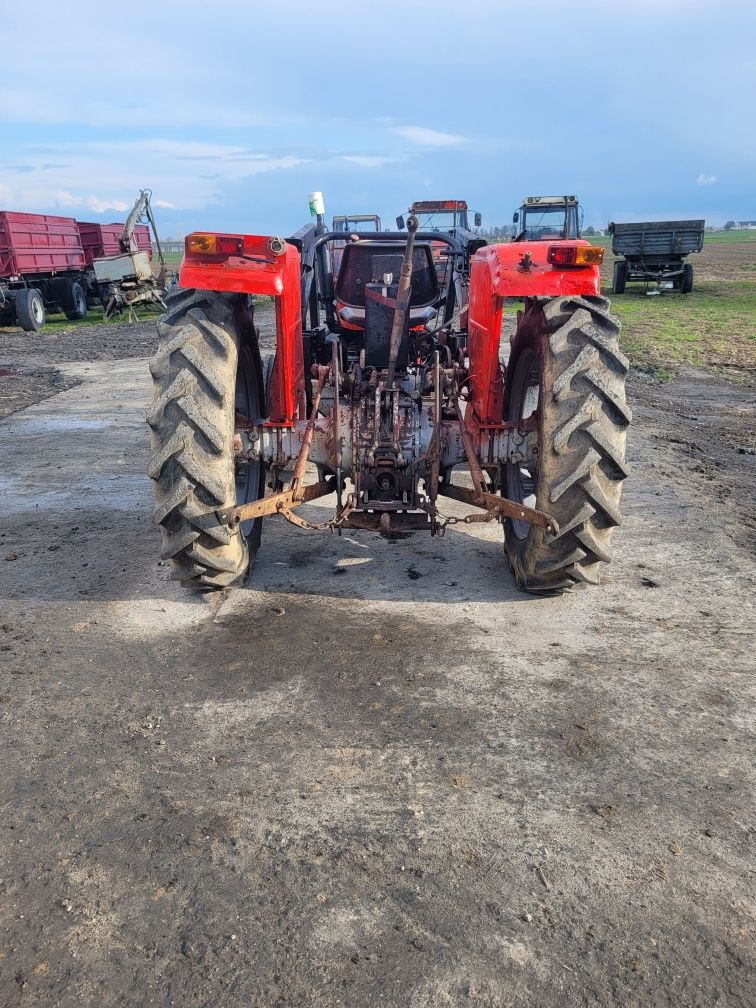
192,442
571,345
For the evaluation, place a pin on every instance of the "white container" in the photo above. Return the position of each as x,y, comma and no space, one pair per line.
128,266
317,206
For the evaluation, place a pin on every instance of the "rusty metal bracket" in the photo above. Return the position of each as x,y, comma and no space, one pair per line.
276,504
480,497
497,507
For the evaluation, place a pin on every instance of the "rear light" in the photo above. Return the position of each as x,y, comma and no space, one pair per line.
212,247
231,246
201,244
575,255
215,246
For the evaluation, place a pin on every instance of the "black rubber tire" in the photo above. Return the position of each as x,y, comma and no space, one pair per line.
619,277
30,309
572,343
202,338
686,284
75,302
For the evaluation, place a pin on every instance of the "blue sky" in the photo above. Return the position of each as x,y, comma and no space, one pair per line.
231,111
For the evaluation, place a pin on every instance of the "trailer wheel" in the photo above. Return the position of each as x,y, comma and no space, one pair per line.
30,309
686,283
206,369
567,369
619,277
75,302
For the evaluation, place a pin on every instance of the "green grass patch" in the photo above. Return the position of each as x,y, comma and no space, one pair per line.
715,326
57,324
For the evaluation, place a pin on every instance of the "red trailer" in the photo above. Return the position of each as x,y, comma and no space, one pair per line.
101,240
42,264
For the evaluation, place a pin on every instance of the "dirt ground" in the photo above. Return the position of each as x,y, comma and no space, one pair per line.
379,775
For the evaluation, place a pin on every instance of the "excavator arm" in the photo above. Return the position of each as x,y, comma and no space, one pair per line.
142,209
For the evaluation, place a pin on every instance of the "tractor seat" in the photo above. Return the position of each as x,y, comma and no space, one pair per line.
366,262
356,316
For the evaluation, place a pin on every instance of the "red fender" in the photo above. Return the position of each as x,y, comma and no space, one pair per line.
515,269
261,272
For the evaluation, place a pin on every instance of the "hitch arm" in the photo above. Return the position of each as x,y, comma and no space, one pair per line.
297,493
274,505
499,507
479,496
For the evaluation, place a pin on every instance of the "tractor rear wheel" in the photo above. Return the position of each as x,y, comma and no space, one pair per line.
566,368
206,371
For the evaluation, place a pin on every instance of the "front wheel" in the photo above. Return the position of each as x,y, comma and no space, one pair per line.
619,276
566,375
207,382
75,305
686,283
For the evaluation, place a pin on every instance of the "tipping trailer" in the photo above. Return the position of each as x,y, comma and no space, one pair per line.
42,264
100,240
656,251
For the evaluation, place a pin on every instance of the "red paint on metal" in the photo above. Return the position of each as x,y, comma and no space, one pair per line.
32,244
262,272
99,240
515,269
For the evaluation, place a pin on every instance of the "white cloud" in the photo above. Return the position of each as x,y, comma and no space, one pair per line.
421,136
367,160
100,205
706,179
182,174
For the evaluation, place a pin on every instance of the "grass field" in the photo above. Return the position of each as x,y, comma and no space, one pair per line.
714,326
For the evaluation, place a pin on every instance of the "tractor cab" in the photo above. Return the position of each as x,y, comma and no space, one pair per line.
367,284
356,222
546,218
441,215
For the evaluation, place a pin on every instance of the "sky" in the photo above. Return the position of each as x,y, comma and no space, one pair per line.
231,112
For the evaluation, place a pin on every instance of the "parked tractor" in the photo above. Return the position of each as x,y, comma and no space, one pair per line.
441,215
388,383
544,218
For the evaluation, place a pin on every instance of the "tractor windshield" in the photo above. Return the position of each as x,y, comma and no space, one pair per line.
366,223
440,220
540,223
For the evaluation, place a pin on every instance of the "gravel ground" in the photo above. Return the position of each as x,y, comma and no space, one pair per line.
379,775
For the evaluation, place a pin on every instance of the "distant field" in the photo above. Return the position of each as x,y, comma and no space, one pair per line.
731,236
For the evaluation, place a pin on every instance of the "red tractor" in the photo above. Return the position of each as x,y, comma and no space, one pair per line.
388,380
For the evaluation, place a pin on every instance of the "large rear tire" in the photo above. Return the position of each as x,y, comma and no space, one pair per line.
567,368
206,369
30,309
